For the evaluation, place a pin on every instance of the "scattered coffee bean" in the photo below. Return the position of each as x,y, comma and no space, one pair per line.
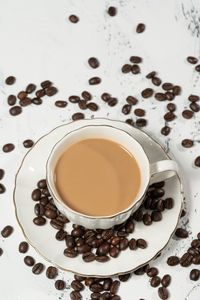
169,116
45,84
38,268
192,60
139,112
155,281
193,98
1,251
165,130
197,68
126,68
166,280
70,252
37,101
11,100
141,243
176,90
73,19
195,107
75,295
141,122
36,194
105,97
135,69
22,95
126,109
151,75
86,95
187,114
102,258
50,214
61,103
112,11
173,261
160,96
10,80
156,81
140,28
77,285
130,122
135,59
15,110
147,219
82,104
171,107
152,272
93,62
169,203
94,80
40,221
78,116
131,100
186,260
92,106
167,86
2,188
23,247
163,293
197,161
30,88
2,172
147,93
8,147
51,272
40,93
169,96
7,231
124,277
60,285
133,244
25,102
112,102
187,143
28,143
156,216
51,91
88,256
115,287
194,274
29,261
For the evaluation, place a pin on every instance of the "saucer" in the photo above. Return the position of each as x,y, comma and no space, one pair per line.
33,168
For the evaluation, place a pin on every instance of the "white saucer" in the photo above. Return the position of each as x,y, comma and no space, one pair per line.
42,238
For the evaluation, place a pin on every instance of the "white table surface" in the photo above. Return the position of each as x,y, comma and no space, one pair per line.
37,42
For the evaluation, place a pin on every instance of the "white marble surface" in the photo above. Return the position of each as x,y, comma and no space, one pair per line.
37,43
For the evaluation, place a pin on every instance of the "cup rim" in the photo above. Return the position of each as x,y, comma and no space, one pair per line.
58,199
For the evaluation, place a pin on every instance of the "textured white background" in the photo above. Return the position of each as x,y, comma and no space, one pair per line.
37,42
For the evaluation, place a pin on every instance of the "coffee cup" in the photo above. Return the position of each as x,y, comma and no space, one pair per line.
149,173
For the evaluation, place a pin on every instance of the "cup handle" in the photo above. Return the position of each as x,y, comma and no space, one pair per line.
162,170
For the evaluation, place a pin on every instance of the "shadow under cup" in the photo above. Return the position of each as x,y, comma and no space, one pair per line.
107,133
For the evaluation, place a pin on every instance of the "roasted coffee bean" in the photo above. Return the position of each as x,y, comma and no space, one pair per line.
40,93
194,274
192,60
78,231
138,215
7,231
37,101
187,143
169,116
141,122
11,100
15,110
131,100
135,69
107,284
86,95
102,258
125,277
195,107
139,112
163,293
23,247
156,216
51,272
75,295
165,130
197,68
45,192
151,75
140,28
10,80
92,106
115,287
123,244
167,86
141,243
155,281
130,122
51,91
196,260
173,261
42,184
44,201
73,19
2,172
82,104
22,95
93,62
126,109
197,161
103,249
1,251
147,93
156,81
2,188
159,184
94,80
88,256
181,233
79,278
50,214
78,116
169,96
61,235
152,272
135,59
96,287
74,99
25,102
187,114
40,221
126,68
176,90
160,97
193,98
45,84
171,107
147,219
70,253
38,268
112,102
169,203
30,88
60,285
89,281
105,97
29,261
115,240
166,280
193,251
139,271
195,243
112,11
160,206
106,235
77,285
8,147
70,241
83,249
61,103
62,219
122,233
129,226
114,251
36,194
80,242
28,143
186,260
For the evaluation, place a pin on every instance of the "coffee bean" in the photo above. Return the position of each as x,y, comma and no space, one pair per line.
171,107
139,271
40,93
50,214
123,244
1,251
187,143
198,236
155,281
51,91
107,284
124,277
22,95
11,100
77,285
70,252
75,295
51,272
141,243
151,75
78,116
129,226
57,224
176,90
169,96
115,287
28,143
141,122
197,68
107,234
181,233
37,101
112,11
156,81
135,69
38,268
102,258
169,203
147,93
23,247
173,261
30,88
194,274
130,122
169,116
152,272
40,221
88,256
29,261
187,114
83,248
92,106
86,95
89,281
25,102
112,102
45,84
183,213
186,260
60,285
156,216
8,147
61,235
94,80
131,100
138,215
7,231
78,231
197,161
192,60
160,206
167,86
93,62
160,96
159,184
135,59
74,99
2,188
61,103
114,251
42,184
10,80
166,280
122,233
62,219
2,172
147,219
126,68
140,28
196,258
139,112
82,104
105,97
15,110
103,249
163,293
126,109
96,287
73,19
195,107
195,243
165,130
36,194
193,98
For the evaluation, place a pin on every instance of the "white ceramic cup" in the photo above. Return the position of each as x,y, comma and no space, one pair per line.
160,170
